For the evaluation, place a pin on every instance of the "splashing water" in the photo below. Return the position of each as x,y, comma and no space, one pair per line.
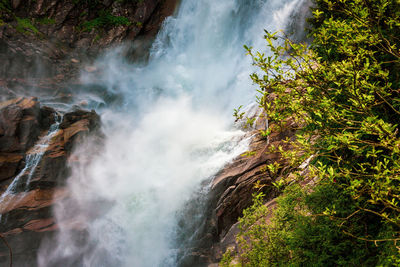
33,159
172,132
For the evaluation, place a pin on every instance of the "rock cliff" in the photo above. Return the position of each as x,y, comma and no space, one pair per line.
50,37
26,210
231,193
43,46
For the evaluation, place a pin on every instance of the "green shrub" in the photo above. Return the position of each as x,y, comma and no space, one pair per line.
24,25
4,6
105,20
343,93
46,21
297,233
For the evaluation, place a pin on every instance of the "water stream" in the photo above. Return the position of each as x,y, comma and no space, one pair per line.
33,159
164,142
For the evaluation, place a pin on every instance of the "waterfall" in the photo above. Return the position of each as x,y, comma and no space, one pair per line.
167,137
33,159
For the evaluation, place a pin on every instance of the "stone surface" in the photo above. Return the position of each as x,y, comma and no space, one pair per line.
45,60
21,122
231,193
51,38
51,57
236,181
26,214
234,185
9,164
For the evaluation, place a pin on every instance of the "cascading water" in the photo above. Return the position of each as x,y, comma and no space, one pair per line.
170,134
32,159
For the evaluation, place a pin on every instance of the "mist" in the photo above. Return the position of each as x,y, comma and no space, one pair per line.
168,129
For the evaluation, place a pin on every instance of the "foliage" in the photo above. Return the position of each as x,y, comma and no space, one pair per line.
343,94
25,25
5,11
296,234
238,114
90,3
4,5
103,20
96,9
46,21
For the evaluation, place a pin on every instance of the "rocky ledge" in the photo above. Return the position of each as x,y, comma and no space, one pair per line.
231,193
234,186
26,209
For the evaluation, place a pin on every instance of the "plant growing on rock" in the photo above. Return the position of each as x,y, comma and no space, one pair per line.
343,94
105,19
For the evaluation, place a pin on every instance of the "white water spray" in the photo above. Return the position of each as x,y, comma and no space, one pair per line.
172,132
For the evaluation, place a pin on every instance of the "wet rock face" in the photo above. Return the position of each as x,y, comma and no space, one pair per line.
26,213
43,46
231,193
21,122
53,168
78,23
41,37
234,185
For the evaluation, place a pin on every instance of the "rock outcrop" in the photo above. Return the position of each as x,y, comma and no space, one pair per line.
21,122
234,186
231,193
26,210
43,46
51,37
236,181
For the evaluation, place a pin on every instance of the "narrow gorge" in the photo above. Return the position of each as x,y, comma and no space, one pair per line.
117,142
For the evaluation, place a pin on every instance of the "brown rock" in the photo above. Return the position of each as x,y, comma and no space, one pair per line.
79,126
15,3
32,200
9,164
233,186
26,216
19,130
10,118
41,225
72,117
47,117
53,167
21,122
62,38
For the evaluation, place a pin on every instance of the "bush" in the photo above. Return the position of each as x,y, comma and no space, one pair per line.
298,233
105,19
343,93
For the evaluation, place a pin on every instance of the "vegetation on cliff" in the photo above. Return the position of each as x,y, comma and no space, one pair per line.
343,93
72,20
